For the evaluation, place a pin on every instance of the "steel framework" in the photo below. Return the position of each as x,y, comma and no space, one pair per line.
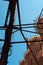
8,32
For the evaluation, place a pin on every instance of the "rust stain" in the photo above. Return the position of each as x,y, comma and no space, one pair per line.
37,48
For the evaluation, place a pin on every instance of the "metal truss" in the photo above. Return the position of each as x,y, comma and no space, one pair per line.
19,27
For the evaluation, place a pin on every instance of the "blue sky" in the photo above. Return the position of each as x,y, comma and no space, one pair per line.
29,10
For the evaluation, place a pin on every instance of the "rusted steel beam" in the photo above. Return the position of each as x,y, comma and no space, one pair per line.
8,33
